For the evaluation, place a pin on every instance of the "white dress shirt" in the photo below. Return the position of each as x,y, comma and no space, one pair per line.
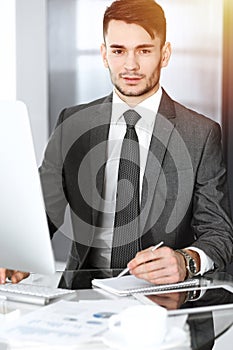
144,128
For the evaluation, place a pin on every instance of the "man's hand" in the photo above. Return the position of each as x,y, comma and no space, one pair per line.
163,265
14,275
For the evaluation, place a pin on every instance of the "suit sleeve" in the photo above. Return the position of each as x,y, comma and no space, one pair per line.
52,179
211,211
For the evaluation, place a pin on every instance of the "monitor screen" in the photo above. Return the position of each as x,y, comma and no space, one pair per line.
24,240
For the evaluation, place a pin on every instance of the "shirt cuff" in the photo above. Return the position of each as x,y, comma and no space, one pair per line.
206,263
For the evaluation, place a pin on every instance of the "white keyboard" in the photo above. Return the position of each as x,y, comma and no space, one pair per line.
34,294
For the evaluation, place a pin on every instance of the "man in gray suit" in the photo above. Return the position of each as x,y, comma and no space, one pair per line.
183,198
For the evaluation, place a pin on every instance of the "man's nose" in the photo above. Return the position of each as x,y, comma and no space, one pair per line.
131,61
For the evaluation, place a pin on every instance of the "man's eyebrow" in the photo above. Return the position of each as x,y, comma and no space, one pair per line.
117,46
145,46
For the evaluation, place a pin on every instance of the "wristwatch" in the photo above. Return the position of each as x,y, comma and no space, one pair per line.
192,295
191,265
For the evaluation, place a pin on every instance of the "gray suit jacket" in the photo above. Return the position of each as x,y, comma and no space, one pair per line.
184,196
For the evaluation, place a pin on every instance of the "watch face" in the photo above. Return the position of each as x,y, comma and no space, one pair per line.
192,266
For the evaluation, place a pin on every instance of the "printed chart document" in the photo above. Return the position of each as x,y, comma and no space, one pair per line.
127,285
63,324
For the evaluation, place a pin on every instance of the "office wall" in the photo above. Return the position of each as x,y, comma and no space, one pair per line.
76,72
194,74
32,81
8,51
31,66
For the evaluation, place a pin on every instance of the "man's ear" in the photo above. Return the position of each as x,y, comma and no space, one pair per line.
103,51
166,54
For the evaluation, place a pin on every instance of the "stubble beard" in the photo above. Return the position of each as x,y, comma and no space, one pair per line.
150,86
127,93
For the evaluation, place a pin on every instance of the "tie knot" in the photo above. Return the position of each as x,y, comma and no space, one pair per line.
131,117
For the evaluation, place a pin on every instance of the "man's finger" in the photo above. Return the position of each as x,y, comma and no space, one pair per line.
148,255
2,276
18,276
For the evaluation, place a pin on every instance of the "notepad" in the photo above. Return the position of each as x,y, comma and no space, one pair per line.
127,285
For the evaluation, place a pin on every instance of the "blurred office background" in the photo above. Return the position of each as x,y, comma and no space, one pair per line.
49,58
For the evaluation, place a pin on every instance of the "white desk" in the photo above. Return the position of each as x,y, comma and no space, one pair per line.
222,319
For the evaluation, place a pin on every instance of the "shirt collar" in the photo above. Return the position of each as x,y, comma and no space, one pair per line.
147,109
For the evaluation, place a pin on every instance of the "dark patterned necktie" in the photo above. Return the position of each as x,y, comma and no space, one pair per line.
125,236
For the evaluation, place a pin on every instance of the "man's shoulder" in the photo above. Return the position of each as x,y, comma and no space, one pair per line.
69,111
192,116
183,113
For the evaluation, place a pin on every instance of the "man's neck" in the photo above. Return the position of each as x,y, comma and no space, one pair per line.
133,101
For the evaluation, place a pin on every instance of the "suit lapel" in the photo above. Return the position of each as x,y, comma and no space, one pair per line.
98,140
164,125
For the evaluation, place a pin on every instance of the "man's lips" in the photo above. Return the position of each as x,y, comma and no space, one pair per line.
131,78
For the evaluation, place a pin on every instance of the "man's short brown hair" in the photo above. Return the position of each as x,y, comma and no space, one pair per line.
145,13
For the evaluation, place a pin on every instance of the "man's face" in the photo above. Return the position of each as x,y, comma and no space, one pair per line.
134,60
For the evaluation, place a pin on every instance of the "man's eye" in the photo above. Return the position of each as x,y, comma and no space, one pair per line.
144,51
118,52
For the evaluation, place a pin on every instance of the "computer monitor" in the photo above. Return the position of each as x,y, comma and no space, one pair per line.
25,243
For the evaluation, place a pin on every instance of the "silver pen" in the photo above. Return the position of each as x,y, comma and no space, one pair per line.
122,273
